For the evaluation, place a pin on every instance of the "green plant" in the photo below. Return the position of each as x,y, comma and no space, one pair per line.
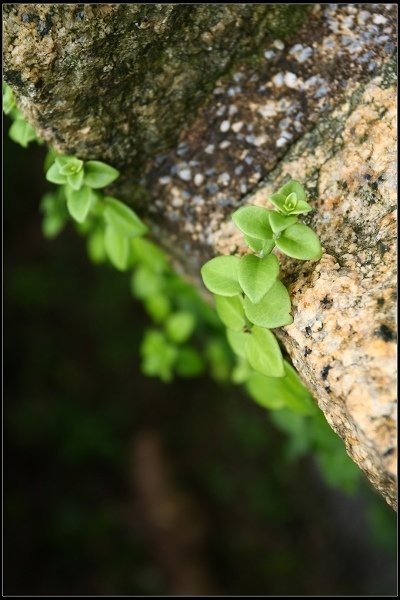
20,131
187,336
250,299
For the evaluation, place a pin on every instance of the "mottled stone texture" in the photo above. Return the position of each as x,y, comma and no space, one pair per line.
119,81
164,93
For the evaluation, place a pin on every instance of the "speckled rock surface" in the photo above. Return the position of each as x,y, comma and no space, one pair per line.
318,105
254,116
119,81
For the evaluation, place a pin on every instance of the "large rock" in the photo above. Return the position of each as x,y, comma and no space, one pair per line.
119,81
194,145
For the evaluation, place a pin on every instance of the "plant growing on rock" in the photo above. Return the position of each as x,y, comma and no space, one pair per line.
244,288
251,300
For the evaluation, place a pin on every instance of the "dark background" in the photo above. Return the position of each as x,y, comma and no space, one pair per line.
118,484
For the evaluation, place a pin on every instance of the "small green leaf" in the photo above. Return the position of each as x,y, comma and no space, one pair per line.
22,133
54,176
241,372
218,357
68,165
79,202
299,241
290,203
75,180
263,353
262,247
291,199
49,159
230,311
266,391
237,341
296,396
122,218
117,248
189,363
273,310
95,246
280,222
220,275
98,174
8,99
52,225
257,275
253,221
293,187
287,391
296,428
278,200
149,254
179,326
158,306
301,207
145,282
158,355
55,213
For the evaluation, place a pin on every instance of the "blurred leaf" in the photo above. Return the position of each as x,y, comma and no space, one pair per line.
237,341
122,218
145,283
99,174
117,248
189,362
230,311
158,306
263,353
159,356
95,246
79,202
179,326
22,133
266,391
149,254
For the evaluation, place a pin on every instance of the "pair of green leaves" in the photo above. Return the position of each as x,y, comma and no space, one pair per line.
113,233
259,348
162,351
290,199
21,132
80,180
54,211
263,229
122,225
76,173
230,275
279,392
267,301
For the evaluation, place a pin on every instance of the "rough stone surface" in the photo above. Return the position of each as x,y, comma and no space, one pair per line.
320,108
223,165
119,81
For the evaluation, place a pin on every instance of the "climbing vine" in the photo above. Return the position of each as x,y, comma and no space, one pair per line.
187,337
